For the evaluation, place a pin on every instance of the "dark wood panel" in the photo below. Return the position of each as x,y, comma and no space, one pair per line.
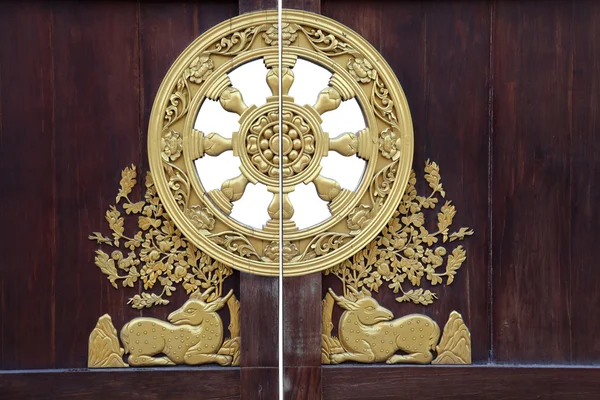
306,5
532,132
256,5
477,383
440,53
302,320
27,195
131,384
96,59
259,326
259,383
302,383
166,29
585,176
259,320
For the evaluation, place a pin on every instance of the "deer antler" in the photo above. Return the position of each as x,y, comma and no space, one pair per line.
335,296
219,303
202,296
343,302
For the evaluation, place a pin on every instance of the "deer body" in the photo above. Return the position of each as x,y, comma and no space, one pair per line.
193,336
368,334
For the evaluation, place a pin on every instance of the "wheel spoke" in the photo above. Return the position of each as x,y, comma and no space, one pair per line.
234,188
287,79
331,97
328,99
327,188
231,190
231,100
273,210
349,144
211,144
288,208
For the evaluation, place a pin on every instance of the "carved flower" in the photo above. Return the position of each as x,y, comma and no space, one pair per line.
179,273
383,268
361,69
200,68
201,217
290,250
389,144
171,144
359,218
288,34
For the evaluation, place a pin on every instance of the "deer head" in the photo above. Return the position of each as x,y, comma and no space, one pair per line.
196,309
366,308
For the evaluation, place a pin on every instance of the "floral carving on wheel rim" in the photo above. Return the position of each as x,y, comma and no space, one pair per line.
290,250
199,69
201,217
390,144
171,145
359,218
361,69
288,34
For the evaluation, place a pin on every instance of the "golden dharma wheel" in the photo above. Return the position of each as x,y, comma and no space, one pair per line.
289,152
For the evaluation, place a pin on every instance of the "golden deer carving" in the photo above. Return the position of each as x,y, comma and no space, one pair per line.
368,333
193,335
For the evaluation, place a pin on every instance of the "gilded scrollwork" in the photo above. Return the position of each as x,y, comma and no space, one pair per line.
326,43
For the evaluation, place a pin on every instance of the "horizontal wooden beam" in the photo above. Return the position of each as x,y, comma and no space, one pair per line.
460,382
132,384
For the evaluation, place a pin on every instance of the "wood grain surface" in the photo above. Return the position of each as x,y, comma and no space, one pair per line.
504,97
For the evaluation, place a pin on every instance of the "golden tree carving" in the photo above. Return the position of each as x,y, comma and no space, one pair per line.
157,253
406,252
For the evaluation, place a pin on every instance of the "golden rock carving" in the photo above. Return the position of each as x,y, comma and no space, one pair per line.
193,335
405,252
104,350
455,346
292,151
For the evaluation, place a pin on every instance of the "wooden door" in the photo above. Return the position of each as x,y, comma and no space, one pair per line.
503,98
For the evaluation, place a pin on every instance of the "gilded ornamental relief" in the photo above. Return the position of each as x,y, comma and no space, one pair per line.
376,237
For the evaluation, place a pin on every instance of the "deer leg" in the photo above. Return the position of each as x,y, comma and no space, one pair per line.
194,358
365,356
142,361
416,358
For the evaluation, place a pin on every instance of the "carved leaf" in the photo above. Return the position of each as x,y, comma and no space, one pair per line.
418,296
100,238
460,235
134,208
128,181
146,300
455,260
107,266
432,176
